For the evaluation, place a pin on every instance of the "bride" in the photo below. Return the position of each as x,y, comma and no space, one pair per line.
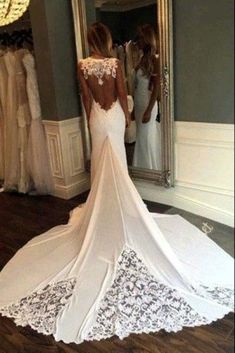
115,268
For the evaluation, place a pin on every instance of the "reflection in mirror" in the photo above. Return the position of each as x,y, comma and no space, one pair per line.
134,28
124,17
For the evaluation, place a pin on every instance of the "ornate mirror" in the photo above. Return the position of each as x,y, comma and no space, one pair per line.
149,146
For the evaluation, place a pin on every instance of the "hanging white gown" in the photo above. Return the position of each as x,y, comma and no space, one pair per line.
133,55
3,92
1,143
12,159
147,153
115,268
24,120
37,153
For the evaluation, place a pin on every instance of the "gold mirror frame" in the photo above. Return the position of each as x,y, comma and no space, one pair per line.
165,27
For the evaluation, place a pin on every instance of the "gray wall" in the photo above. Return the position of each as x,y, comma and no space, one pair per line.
203,40
56,58
90,12
204,56
123,25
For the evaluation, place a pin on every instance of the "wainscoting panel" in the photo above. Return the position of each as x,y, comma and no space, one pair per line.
65,146
55,154
204,157
204,172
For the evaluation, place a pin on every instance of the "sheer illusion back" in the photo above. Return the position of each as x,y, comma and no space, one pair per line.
103,86
101,76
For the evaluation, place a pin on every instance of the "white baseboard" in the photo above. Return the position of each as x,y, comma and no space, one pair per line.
204,172
70,191
176,197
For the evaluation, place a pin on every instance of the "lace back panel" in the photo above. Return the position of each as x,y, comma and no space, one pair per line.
100,68
101,75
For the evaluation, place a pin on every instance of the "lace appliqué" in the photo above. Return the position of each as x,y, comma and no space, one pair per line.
99,68
41,309
223,296
105,110
137,303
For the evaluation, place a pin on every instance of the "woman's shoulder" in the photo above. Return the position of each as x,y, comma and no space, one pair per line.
98,66
100,62
91,58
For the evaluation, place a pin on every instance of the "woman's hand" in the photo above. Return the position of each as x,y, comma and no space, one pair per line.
146,117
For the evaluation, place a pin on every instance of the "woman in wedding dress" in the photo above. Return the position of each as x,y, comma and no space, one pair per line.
114,268
147,152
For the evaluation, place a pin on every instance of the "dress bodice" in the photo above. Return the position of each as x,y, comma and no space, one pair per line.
101,75
99,68
141,83
3,72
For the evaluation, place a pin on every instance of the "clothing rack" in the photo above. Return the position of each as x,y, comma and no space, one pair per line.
17,37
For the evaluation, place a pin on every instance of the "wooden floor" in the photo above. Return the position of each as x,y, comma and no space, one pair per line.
22,218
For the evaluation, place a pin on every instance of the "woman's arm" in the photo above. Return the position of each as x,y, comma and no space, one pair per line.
85,92
155,92
122,93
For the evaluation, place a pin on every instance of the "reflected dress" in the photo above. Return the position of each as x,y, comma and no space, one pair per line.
147,153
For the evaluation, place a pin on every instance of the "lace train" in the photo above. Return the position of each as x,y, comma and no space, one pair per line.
135,303
41,309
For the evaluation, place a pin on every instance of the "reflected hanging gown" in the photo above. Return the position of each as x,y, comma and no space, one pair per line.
115,268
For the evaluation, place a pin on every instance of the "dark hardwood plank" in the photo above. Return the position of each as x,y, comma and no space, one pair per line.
22,218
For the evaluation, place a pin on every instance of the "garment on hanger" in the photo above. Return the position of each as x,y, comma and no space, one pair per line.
2,167
3,85
37,156
121,55
22,143
24,120
12,165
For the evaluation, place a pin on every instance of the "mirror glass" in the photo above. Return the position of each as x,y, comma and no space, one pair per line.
134,27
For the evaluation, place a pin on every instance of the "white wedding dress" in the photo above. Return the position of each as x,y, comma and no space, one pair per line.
147,153
38,161
115,268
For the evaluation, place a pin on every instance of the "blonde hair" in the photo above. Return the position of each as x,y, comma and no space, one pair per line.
148,42
100,39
